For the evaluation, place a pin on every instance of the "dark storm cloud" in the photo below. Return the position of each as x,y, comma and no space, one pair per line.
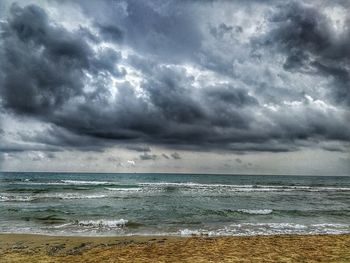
61,77
12,147
57,139
139,148
43,64
309,40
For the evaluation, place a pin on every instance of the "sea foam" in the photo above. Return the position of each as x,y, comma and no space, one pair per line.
255,211
245,188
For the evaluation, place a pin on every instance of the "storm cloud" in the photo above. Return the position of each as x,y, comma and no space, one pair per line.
313,44
141,73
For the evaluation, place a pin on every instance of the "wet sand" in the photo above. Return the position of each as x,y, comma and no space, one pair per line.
286,248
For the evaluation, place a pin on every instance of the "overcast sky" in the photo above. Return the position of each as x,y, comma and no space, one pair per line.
253,87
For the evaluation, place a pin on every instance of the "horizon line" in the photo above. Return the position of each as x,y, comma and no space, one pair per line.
177,173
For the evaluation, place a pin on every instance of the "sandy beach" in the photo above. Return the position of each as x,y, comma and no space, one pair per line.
286,248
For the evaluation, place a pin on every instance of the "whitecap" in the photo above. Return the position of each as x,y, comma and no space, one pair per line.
73,196
103,223
123,189
76,182
16,198
244,188
255,211
189,232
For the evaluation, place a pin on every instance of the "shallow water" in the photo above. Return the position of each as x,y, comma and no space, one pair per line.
172,204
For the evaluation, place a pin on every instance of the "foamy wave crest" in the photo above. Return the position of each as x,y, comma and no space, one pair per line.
190,185
255,211
67,182
22,198
76,182
123,189
103,223
287,228
244,188
76,196
253,229
16,198
70,196
189,232
92,226
38,183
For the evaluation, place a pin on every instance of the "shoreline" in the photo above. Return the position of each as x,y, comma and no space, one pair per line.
269,248
136,236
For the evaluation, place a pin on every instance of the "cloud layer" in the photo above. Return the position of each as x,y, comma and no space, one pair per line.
199,75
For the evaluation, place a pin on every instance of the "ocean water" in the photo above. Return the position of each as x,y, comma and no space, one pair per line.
172,204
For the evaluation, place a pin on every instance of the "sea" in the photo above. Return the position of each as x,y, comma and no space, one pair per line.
88,204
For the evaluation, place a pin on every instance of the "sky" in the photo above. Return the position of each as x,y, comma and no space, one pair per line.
237,87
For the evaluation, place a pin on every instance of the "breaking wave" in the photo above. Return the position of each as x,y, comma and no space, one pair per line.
255,211
253,229
22,198
246,188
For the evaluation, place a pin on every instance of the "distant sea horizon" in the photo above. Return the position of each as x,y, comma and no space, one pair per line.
177,204
176,173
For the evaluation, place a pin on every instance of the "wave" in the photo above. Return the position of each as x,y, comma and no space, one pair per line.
76,182
255,211
49,196
234,212
67,182
103,223
37,183
253,229
245,188
95,224
137,189
16,198
190,232
77,196
313,213
123,227
191,186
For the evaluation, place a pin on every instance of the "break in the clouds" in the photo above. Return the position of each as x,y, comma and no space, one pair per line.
197,76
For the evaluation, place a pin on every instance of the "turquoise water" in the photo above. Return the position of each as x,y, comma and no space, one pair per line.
172,204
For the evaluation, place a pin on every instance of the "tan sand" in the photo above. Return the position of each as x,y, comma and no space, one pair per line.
287,248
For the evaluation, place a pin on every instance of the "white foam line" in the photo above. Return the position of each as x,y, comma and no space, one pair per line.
43,196
100,223
103,227
252,229
75,182
256,211
124,189
247,187
68,182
